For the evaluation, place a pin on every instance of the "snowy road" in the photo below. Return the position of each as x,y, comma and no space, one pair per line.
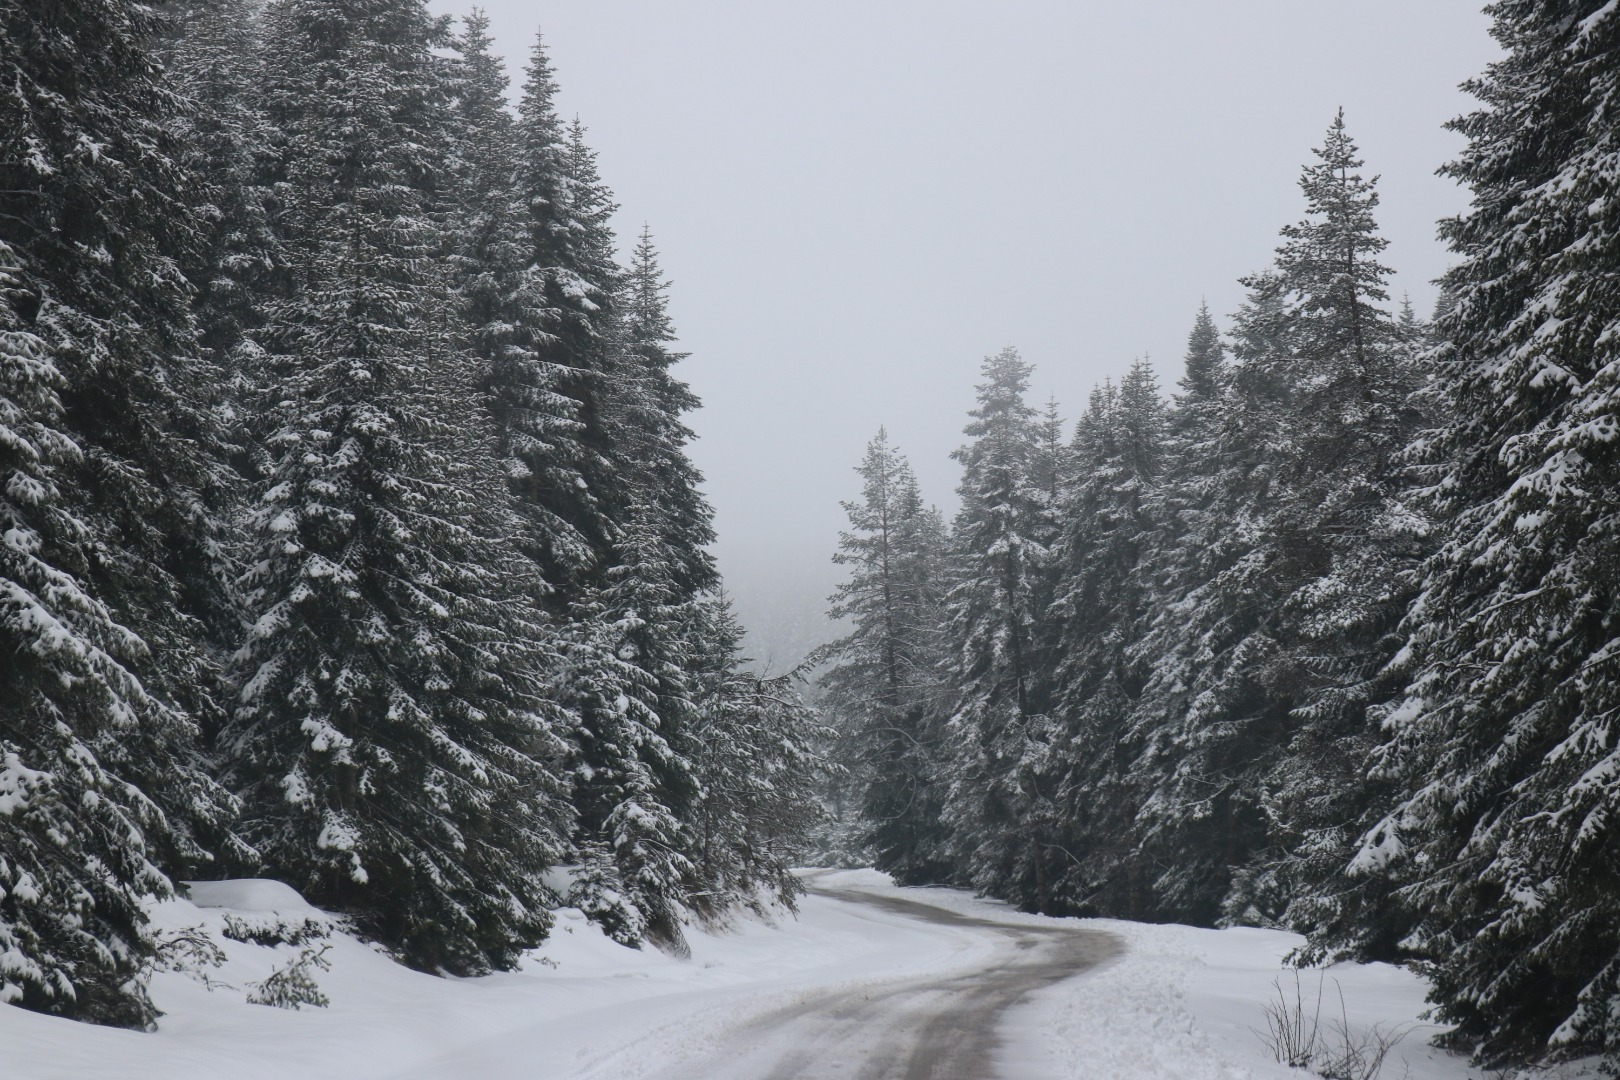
936,1027
868,982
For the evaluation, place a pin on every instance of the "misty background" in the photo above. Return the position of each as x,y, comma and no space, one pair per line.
857,201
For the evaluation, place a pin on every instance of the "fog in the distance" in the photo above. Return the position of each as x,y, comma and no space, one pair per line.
859,200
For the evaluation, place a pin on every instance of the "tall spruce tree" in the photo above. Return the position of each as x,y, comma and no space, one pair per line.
1504,830
107,564
1356,540
634,774
215,65
755,760
393,737
998,805
488,244
1207,720
1304,549
1192,539
883,685
652,433
1101,605
549,379
629,685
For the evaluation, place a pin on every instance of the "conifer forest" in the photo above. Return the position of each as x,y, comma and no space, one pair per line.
349,538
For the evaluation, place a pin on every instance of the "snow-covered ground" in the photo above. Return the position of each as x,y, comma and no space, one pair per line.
1179,1004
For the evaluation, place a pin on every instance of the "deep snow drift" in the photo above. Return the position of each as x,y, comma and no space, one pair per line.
1180,1004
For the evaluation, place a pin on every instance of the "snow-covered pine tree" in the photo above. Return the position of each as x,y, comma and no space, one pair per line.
488,244
883,687
393,738
549,380
1204,374
1050,477
629,685
1101,604
1206,720
1508,816
1176,565
1269,657
106,564
997,806
651,433
214,63
77,860
754,755
1347,537
633,778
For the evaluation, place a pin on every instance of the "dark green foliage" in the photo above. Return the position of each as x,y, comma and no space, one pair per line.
651,436
1502,833
1100,610
884,684
998,804
310,353
1329,643
394,741
754,756
215,66
548,376
108,562
629,686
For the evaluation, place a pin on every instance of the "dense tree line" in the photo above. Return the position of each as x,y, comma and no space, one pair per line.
1327,640
347,532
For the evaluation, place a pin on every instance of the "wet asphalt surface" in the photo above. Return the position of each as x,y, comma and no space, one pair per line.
906,1029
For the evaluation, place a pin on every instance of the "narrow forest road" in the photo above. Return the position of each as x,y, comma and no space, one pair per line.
867,982
929,1028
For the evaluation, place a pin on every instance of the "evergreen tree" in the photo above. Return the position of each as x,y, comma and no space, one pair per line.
548,384
1503,831
488,244
1346,538
1204,375
1109,524
634,776
629,687
652,434
393,734
754,756
1191,540
215,65
1302,548
107,564
997,806
1207,721
883,685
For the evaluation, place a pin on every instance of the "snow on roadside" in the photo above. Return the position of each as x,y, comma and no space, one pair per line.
582,1005
1181,1004
1186,1004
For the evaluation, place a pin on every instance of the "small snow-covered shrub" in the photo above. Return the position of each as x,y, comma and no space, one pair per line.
1297,1037
190,951
294,985
273,928
599,891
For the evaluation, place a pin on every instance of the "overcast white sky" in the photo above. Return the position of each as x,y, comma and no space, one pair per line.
857,201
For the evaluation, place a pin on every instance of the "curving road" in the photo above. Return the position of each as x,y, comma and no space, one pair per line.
933,1028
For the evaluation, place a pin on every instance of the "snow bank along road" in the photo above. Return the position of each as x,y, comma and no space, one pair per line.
941,1026
869,982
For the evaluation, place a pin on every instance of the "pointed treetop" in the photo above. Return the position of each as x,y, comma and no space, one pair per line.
1408,315
1206,358
475,35
538,107
1327,283
1339,229
1006,380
